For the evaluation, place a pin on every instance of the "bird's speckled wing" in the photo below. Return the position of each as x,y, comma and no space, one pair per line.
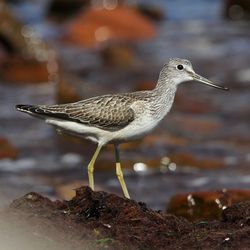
108,112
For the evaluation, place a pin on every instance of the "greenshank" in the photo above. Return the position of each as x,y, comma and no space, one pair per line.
118,118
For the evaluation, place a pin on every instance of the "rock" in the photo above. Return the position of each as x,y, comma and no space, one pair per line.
7,150
96,26
98,220
20,71
95,216
206,205
239,213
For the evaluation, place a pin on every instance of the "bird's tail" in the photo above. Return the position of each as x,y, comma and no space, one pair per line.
33,110
30,109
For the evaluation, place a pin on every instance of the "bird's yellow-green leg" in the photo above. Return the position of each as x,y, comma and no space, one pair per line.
119,173
91,167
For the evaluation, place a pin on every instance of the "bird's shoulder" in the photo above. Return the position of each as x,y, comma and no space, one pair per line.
124,100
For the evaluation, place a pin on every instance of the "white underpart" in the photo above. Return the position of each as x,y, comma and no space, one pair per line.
139,127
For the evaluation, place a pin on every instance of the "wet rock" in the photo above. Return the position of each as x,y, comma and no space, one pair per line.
98,220
96,26
35,201
206,205
20,71
7,150
239,213
35,222
96,216
237,9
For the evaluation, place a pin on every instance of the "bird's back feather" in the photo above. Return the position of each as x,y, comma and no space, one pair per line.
108,112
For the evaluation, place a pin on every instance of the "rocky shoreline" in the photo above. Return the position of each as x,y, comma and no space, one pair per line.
99,220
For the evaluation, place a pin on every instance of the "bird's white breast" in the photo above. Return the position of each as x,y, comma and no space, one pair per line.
138,128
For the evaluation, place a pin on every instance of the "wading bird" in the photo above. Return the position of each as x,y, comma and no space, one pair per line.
119,118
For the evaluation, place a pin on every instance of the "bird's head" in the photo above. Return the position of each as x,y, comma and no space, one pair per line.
181,70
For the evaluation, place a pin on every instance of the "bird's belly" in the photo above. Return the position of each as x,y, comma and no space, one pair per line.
81,130
136,129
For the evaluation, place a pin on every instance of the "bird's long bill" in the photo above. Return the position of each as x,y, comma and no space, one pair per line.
206,81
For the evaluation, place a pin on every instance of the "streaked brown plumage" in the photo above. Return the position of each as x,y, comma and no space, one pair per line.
108,112
122,117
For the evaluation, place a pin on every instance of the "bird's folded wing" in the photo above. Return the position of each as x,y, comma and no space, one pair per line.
107,112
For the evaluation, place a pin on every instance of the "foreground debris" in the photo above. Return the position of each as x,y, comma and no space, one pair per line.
97,220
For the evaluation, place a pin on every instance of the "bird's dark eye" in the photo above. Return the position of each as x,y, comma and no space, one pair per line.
180,67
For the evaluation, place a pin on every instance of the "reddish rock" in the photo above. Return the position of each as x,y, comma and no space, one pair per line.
95,218
96,26
21,71
205,205
7,150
